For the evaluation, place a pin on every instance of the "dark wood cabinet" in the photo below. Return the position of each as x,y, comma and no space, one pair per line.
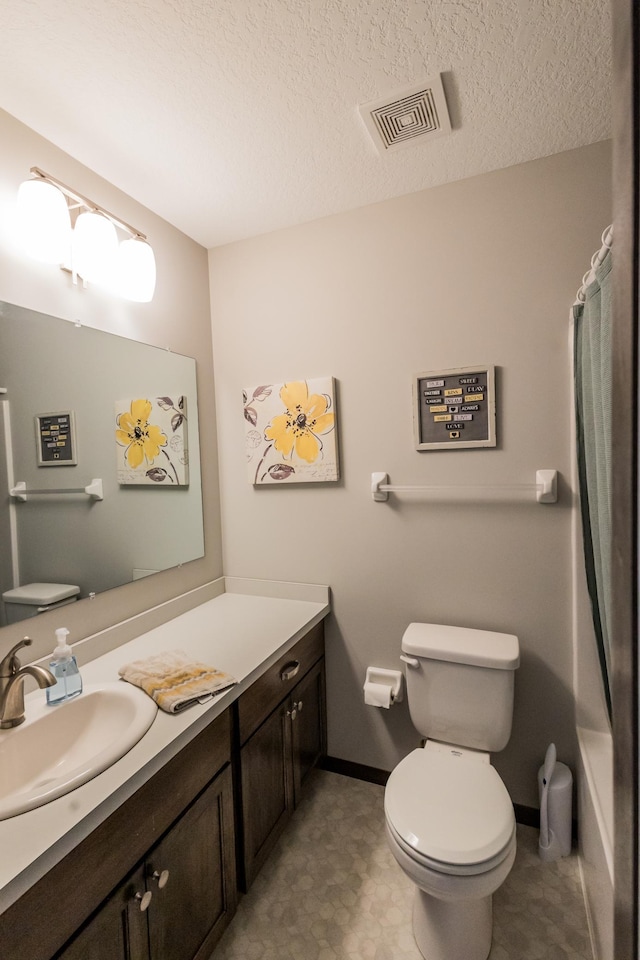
118,931
308,726
188,913
266,792
176,904
281,721
214,810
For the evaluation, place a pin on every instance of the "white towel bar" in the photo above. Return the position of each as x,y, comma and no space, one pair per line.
93,490
545,487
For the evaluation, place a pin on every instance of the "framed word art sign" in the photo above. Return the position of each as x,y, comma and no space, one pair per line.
455,408
56,439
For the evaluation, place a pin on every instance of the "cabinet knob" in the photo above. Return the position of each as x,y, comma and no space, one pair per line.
299,706
289,671
293,712
162,878
143,900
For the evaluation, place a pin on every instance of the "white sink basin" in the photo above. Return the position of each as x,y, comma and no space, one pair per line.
59,747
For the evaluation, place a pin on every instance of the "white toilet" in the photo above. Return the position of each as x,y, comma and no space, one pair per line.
450,821
33,598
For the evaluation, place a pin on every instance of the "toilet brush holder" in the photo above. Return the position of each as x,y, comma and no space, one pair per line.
557,841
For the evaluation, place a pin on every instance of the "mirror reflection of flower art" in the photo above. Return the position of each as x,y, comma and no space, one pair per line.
290,432
151,441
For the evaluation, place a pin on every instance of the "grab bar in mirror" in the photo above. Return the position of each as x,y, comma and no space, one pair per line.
93,490
545,487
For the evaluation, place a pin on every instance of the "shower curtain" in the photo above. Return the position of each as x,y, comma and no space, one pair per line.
592,345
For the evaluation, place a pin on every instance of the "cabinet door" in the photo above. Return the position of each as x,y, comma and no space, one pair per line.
118,931
267,790
194,900
307,726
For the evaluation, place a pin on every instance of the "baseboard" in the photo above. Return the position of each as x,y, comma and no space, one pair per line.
527,816
357,771
530,817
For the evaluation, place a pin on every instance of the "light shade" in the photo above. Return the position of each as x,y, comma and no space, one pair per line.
136,270
94,249
42,222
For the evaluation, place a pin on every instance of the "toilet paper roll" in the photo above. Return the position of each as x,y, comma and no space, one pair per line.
378,694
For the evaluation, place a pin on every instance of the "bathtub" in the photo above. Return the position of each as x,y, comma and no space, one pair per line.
595,817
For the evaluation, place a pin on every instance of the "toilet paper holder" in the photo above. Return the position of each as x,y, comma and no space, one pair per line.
379,681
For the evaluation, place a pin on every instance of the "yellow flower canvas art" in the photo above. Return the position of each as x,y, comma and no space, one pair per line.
290,432
151,441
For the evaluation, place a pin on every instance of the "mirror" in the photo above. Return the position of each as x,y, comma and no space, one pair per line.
63,389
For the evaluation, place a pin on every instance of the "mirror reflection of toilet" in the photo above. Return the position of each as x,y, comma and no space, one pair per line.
34,598
449,818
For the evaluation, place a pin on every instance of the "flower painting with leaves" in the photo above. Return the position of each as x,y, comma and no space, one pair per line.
151,441
290,432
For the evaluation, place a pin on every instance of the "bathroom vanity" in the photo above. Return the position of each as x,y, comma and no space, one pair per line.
152,866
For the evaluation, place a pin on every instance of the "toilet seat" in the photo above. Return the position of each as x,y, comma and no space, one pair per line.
450,812
452,869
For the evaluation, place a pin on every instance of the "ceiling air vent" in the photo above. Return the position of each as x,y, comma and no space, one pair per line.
411,116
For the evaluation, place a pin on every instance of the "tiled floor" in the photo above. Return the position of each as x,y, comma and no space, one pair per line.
332,891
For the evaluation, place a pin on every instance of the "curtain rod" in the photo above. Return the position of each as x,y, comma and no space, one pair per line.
596,260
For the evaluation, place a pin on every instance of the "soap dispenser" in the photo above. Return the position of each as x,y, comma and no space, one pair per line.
64,667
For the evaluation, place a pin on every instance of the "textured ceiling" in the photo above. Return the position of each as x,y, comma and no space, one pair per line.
231,118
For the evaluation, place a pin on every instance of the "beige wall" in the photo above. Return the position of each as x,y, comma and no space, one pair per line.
479,271
178,318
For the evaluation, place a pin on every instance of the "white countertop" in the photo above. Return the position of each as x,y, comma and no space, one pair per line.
237,632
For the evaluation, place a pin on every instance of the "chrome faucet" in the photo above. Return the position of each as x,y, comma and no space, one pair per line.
12,677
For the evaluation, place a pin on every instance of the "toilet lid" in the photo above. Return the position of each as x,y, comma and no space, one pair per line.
37,594
449,808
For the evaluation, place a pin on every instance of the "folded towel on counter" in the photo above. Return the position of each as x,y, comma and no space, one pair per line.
175,681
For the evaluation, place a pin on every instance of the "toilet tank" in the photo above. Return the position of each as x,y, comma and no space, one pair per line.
460,684
33,598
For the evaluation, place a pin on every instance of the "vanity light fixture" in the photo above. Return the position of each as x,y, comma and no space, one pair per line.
92,250
136,269
43,222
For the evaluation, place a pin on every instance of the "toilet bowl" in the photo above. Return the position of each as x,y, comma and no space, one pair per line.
449,818
451,827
